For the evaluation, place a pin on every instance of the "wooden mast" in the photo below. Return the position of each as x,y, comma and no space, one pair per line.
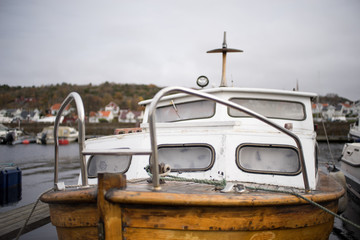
224,50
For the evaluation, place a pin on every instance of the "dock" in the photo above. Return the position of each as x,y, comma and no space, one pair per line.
12,221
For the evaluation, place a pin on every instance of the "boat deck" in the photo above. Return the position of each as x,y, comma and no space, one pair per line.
189,193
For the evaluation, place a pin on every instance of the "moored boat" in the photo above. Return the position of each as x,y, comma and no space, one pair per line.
350,166
66,135
219,163
354,132
10,135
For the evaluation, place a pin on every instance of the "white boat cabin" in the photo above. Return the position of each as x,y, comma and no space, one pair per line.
203,139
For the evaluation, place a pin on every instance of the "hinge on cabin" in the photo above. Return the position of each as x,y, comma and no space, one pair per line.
101,233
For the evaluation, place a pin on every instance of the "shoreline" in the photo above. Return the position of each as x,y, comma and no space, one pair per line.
335,131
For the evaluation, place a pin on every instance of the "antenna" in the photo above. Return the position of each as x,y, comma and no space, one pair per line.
224,50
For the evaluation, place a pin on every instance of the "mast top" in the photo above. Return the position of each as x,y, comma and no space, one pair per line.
224,50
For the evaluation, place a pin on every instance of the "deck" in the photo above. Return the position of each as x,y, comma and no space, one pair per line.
12,221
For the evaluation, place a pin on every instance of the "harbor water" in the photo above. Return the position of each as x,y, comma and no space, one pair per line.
37,163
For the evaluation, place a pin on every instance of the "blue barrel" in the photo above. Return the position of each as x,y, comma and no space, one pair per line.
10,185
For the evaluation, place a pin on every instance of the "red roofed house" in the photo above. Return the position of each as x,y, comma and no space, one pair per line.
93,118
106,115
54,109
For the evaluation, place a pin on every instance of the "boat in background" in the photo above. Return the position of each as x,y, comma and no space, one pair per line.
354,132
350,166
66,135
218,163
10,135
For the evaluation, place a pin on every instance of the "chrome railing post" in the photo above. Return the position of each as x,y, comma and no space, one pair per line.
152,128
81,138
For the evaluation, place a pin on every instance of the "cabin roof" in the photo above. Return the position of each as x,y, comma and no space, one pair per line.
242,90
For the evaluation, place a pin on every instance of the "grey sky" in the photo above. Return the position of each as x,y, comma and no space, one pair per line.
162,42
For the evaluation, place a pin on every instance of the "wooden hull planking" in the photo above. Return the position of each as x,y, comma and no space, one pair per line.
77,214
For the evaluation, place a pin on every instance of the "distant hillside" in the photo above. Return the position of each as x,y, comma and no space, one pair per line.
94,96
333,99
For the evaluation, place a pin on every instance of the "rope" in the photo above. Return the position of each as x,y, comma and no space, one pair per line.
309,201
167,177
327,141
223,184
35,204
216,183
31,212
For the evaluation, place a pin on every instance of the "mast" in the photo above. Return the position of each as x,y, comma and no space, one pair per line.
224,50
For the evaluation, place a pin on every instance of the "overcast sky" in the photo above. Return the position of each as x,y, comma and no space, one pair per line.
313,42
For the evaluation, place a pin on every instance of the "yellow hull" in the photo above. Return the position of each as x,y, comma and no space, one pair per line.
129,212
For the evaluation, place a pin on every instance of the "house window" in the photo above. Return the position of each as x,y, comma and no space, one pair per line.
185,111
187,157
271,159
270,108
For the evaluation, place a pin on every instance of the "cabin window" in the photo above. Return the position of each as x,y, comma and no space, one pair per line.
185,111
270,108
107,163
272,159
187,157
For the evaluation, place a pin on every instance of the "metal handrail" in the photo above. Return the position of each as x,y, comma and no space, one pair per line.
81,137
168,90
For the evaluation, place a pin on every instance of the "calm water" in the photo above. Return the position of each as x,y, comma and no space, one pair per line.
37,165
37,162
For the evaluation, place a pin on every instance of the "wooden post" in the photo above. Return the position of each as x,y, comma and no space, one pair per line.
110,224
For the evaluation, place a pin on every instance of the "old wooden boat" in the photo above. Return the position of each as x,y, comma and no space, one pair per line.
218,163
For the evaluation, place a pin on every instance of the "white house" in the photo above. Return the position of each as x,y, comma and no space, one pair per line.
113,107
3,116
328,112
93,117
127,116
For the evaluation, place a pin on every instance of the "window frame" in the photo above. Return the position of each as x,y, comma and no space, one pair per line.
237,159
178,145
88,163
269,100
183,103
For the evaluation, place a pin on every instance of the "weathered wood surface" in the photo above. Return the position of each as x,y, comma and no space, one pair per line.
316,232
12,221
74,213
110,215
189,211
194,194
196,211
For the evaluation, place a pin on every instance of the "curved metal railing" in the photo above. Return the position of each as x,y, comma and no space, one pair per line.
152,128
81,138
